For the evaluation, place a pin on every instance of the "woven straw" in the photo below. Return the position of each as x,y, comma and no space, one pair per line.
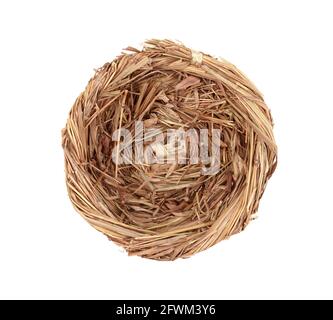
167,211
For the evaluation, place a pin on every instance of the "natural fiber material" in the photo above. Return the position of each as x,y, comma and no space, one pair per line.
166,211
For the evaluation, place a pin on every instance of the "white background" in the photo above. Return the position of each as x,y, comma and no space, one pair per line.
48,50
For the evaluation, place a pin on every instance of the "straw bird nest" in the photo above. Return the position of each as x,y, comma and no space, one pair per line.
163,195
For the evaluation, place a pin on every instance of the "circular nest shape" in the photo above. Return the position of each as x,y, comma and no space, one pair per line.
171,209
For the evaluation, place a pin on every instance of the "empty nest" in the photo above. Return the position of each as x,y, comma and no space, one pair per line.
165,211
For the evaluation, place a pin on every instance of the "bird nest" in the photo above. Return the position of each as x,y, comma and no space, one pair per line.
168,150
